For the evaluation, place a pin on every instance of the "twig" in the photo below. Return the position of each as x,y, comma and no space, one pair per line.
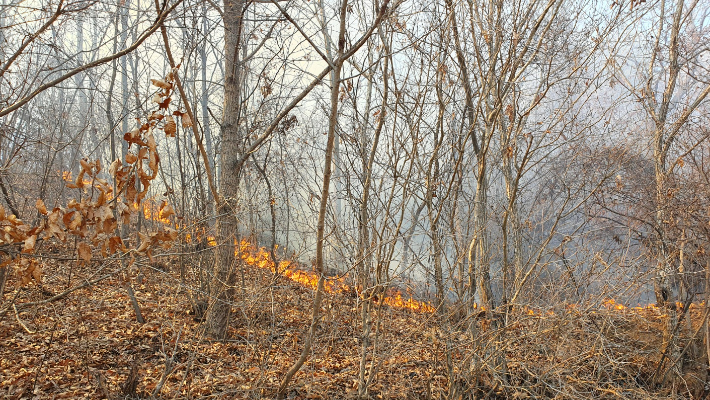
22,324
39,367
169,366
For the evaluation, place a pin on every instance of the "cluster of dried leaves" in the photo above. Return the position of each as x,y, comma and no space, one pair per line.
94,218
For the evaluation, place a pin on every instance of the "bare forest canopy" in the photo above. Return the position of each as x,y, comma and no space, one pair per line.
285,185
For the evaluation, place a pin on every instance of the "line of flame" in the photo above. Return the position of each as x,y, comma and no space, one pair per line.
262,259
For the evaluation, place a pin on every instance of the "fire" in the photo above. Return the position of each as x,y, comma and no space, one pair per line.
398,301
153,211
262,259
613,305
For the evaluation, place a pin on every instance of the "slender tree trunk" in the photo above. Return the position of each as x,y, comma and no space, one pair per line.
124,82
204,101
364,227
433,212
223,285
478,251
664,268
325,191
3,273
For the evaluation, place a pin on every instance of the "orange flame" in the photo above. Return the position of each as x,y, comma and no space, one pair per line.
211,241
262,259
151,211
613,305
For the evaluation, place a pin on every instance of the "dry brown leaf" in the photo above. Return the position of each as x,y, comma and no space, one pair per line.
161,84
41,207
83,250
115,243
37,273
29,246
109,225
53,228
171,233
76,221
79,183
155,116
131,158
166,210
27,272
150,141
102,197
145,242
103,213
12,218
131,191
170,126
186,121
85,166
165,103
153,164
133,136
113,168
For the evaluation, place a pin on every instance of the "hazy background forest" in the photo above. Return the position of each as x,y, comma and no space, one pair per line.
518,187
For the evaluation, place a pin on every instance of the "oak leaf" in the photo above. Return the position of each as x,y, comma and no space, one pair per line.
37,273
41,207
145,242
53,228
186,120
29,246
161,84
103,213
83,250
116,243
166,210
170,126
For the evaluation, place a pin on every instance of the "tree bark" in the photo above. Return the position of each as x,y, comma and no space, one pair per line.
223,285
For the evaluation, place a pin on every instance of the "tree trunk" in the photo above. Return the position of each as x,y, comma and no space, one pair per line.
325,192
223,286
478,250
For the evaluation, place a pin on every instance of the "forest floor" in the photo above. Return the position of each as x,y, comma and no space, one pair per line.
89,345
